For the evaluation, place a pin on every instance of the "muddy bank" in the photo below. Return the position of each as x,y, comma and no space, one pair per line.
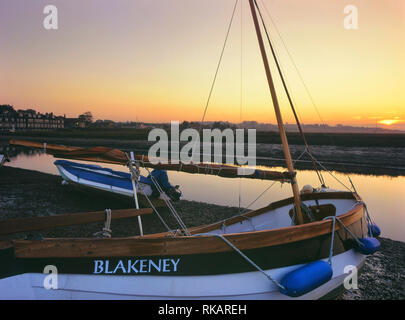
25,193
383,275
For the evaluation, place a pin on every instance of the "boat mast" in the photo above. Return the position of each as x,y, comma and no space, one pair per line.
280,123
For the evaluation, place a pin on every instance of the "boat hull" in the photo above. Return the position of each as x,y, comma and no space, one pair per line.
199,266
122,189
153,257
238,286
2,160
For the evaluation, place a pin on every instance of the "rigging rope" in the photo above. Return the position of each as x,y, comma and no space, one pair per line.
368,218
220,236
156,211
135,173
297,70
134,179
345,228
106,231
219,63
289,97
169,204
333,176
274,182
241,93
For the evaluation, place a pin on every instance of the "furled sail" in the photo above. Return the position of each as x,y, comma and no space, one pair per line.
116,156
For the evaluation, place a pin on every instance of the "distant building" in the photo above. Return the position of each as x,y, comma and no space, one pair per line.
104,124
12,120
71,123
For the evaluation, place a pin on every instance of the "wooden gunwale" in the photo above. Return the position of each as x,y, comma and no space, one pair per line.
272,206
166,246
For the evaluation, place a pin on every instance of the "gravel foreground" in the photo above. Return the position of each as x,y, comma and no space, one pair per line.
25,193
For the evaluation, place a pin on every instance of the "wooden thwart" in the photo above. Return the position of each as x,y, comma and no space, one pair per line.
11,226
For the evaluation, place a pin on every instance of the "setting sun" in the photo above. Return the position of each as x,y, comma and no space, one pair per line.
389,122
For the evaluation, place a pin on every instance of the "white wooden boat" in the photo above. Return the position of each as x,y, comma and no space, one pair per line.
161,266
116,182
3,159
295,248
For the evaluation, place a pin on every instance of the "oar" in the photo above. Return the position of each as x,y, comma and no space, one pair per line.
116,156
44,145
11,226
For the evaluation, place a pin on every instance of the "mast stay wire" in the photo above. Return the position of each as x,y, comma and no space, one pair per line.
289,96
297,70
216,74
272,184
134,172
296,160
217,70
241,92
169,204
219,64
306,89
286,80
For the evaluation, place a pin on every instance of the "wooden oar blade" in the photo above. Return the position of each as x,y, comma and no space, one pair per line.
42,145
95,154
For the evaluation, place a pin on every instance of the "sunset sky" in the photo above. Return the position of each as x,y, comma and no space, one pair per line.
154,60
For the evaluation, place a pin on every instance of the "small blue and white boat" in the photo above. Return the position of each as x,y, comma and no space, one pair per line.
117,182
3,159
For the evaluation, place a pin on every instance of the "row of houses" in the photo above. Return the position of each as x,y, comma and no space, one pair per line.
12,120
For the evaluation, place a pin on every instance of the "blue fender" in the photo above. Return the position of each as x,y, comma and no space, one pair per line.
306,278
375,230
368,245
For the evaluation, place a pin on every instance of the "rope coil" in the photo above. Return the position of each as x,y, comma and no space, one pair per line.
106,231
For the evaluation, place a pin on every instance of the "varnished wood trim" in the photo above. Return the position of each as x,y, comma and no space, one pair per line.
40,145
141,246
270,207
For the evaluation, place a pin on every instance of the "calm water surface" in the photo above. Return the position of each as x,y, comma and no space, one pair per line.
384,195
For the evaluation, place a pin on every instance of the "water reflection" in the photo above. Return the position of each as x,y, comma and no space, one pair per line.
378,161
384,195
